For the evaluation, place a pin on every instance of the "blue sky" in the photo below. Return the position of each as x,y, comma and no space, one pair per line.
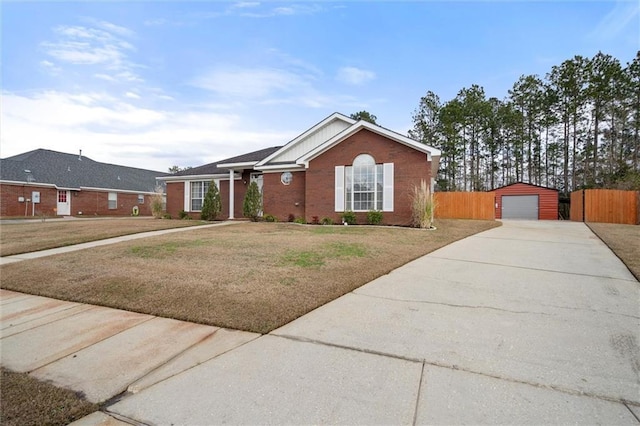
153,84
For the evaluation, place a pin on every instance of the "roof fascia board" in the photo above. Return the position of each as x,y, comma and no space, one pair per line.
280,167
297,139
23,183
193,177
120,191
241,166
430,151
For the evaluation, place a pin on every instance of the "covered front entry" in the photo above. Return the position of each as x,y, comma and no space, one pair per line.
64,203
520,207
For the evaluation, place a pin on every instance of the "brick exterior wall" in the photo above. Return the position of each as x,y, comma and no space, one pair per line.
175,197
410,166
90,203
282,200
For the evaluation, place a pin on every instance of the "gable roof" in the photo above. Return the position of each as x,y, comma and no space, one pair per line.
216,170
71,171
523,183
330,137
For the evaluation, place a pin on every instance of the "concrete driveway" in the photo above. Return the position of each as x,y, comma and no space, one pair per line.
529,323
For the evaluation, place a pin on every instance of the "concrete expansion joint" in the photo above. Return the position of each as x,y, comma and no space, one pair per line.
533,269
418,395
124,419
453,305
80,309
455,367
626,404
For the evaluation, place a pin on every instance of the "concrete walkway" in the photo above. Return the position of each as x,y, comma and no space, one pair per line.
529,323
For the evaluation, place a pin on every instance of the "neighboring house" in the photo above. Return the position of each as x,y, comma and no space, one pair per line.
45,182
338,165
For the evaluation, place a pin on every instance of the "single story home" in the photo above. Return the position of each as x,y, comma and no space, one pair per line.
51,183
338,165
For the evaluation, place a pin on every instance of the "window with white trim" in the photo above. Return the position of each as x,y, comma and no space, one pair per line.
140,198
364,185
198,191
113,200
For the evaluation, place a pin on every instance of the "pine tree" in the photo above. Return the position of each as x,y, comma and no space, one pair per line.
252,204
211,206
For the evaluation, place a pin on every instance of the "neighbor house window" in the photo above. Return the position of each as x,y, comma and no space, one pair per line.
62,196
140,198
198,191
364,185
113,200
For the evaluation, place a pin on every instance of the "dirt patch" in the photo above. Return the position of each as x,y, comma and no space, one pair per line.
17,238
623,240
250,276
26,401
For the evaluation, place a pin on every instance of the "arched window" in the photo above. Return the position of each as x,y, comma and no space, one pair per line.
364,184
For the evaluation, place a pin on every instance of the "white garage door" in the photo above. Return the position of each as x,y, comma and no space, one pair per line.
520,207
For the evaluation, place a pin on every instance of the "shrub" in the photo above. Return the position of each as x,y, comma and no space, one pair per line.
374,217
183,215
299,220
157,202
270,218
211,206
348,217
252,204
315,220
422,206
326,221
291,217
166,216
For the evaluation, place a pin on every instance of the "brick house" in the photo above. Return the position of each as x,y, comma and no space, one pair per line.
51,183
338,165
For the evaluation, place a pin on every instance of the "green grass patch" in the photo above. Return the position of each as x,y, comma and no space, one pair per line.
346,250
161,251
303,259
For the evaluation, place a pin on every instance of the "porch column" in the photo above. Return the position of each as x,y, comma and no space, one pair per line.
231,195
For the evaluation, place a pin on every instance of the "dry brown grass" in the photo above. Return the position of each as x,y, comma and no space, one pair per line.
250,276
26,401
623,240
16,238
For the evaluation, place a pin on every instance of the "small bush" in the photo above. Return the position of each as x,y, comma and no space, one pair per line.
252,204
183,215
326,221
211,206
299,220
374,217
315,220
348,217
291,217
166,216
270,218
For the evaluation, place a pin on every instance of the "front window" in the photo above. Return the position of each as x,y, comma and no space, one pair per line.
140,198
198,191
364,184
113,200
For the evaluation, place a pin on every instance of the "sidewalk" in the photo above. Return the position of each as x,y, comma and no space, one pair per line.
529,323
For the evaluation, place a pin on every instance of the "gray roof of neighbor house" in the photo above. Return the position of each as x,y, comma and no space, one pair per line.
213,169
73,171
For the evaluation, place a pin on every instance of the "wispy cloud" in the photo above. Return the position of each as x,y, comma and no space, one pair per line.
355,76
102,45
624,13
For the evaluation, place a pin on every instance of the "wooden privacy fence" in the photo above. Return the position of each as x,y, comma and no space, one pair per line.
465,205
605,205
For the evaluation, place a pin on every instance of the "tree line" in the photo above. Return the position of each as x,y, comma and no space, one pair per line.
578,127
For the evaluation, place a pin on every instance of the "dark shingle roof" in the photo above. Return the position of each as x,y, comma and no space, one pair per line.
74,171
213,169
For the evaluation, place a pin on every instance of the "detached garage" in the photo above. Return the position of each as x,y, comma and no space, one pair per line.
526,201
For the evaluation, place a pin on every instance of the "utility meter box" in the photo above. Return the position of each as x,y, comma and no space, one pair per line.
35,197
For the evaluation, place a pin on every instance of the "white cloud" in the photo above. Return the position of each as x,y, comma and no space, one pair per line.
614,22
132,95
246,4
250,83
355,76
114,131
101,46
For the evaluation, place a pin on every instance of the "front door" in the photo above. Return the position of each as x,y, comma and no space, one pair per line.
64,203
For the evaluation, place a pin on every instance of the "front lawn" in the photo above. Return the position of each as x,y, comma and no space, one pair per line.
250,276
623,240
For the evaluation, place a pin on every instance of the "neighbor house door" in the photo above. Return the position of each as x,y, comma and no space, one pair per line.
64,203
